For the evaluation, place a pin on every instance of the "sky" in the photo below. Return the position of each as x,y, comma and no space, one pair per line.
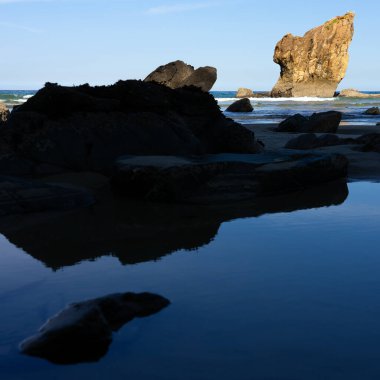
101,41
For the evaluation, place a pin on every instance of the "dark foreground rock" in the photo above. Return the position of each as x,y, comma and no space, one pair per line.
4,114
178,74
369,142
87,128
323,122
311,141
242,105
20,197
222,177
83,331
372,111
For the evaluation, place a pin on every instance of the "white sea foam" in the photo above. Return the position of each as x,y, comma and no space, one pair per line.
27,96
300,99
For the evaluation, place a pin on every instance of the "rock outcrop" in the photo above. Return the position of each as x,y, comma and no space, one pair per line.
178,74
242,105
83,331
312,141
87,128
351,93
314,65
322,122
19,196
222,178
4,113
244,93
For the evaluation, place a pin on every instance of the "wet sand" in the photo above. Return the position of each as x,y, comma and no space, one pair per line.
363,165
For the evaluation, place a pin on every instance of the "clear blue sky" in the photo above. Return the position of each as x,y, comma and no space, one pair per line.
101,41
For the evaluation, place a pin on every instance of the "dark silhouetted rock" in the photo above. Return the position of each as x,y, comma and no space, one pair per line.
87,128
20,196
372,111
4,114
370,142
83,331
310,141
314,65
244,93
242,105
323,122
222,178
178,74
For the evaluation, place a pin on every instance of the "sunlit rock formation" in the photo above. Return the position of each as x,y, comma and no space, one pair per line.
314,65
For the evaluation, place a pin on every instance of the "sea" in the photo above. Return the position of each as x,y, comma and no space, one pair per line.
266,110
284,288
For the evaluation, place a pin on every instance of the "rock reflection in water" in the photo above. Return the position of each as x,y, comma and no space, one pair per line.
138,232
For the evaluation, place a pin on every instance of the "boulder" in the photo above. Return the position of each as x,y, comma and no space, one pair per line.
83,331
322,122
178,74
21,197
242,105
372,111
222,178
87,128
370,142
311,141
244,93
314,65
351,93
4,114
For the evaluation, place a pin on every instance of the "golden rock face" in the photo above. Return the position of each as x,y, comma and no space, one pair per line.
314,65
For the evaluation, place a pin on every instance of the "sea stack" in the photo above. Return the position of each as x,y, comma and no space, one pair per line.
314,65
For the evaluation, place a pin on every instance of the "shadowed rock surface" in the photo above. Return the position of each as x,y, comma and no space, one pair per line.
178,74
87,128
322,122
82,332
370,141
244,93
20,197
311,141
242,105
314,65
222,178
135,231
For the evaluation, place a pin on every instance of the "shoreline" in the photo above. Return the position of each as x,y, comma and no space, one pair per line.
363,166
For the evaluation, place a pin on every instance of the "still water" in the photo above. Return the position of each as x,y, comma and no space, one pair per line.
277,291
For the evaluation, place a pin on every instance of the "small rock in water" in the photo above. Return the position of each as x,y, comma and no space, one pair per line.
244,93
82,332
242,105
372,111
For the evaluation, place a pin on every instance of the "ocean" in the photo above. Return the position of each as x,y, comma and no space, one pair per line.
266,110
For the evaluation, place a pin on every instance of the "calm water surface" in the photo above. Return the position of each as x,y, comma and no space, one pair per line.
280,296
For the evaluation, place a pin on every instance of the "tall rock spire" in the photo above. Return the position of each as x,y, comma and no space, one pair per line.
314,65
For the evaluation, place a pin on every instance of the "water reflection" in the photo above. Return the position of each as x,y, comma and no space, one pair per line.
136,232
